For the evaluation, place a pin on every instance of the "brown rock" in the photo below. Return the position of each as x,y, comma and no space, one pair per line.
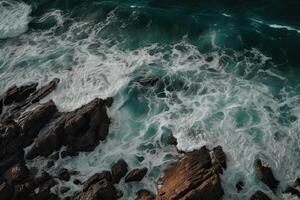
136,175
119,170
193,177
18,94
219,156
265,174
144,195
259,195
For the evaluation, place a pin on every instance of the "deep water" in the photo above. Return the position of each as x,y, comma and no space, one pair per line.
228,74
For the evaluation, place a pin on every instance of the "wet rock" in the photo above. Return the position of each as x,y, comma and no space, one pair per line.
219,156
293,191
17,173
17,94
259,195
6,191
173,141
193,177
79,130
136,175
63,174
239,186
145,195
119,170
44,90
33,121
1,106
99,187
64,189
265,174
50,164
77,182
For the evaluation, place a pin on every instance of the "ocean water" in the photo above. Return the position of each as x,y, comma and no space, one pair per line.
228,75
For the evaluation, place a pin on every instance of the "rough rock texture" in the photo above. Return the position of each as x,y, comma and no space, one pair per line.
219,156
17,94
64,174
79,130
259,195
193,177
119,170
136,175
145,195
265,174
98,187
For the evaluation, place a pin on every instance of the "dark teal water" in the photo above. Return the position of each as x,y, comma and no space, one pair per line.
228,74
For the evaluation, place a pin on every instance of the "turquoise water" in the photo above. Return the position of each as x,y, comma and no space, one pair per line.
228,74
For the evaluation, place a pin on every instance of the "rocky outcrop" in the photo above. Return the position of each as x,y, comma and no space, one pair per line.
259,195
265,174
79,130
145,195
195,176
119,170
18,94
293,189
136,175
6,191
99,187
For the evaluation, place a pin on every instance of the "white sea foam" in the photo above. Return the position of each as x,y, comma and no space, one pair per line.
14,17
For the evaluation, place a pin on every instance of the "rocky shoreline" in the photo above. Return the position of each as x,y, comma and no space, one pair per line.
195,176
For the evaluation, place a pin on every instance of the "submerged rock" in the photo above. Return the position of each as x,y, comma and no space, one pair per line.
259,195
193,177
145,195
239,186
265,174
64,174
136,175
119,170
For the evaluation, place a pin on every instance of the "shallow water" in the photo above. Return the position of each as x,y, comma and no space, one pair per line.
228,74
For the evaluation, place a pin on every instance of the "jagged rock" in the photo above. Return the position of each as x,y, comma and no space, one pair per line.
50,164
193,177
63,174
219,156
33,121
64,189
17,173
99,187
17,94
265,174
293,191
144,195
259,195
119,170
79,130
44,90
136,175
6,191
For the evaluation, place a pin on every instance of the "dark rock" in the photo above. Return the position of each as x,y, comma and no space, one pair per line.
77,182
136,175
219,156
239,186
50,164
18,94
119,170
63,174
1,106
265,174
54,156
193,177
259,195
6,191
145,195
64,189
79,130
293,191
44,90
99,187
33,121
173,141
17,173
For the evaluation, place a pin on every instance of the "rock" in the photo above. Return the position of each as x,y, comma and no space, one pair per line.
239,186
293,191
64,189
79,130
1,106
219,156
6,191
44,90
18,94
33,121
50,164
99,187
193,177
259,195
119,170
136,175
16,174
77,182
145,195
265,174
63,174
173,141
